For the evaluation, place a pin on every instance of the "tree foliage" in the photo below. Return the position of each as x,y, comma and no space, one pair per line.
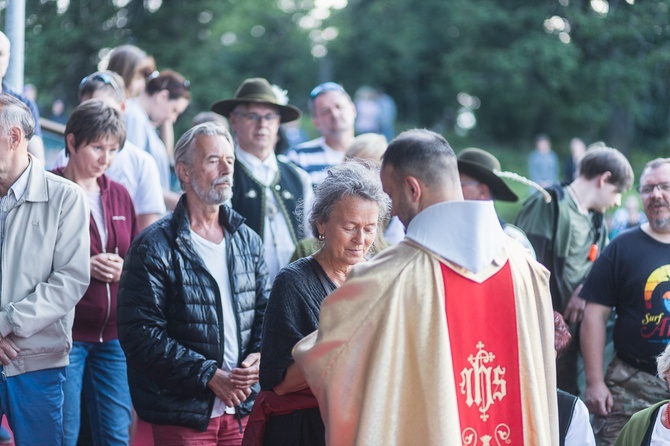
588,68
599,75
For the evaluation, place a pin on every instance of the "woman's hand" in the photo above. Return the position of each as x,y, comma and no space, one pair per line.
293,381
106,267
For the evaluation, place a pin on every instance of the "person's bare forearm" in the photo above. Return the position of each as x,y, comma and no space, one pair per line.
592,341
144,220
597,396
171,199
293,381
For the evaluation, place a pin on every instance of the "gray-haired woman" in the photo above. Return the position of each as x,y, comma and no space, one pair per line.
347,210
650,426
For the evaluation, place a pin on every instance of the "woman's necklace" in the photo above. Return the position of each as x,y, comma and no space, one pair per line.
665,420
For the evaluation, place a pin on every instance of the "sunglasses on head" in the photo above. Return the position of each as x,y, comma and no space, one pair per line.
105,79
326,86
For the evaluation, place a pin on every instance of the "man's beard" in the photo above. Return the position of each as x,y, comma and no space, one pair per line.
659,224
215,196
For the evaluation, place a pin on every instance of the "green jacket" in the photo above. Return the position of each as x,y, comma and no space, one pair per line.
549,229
639,428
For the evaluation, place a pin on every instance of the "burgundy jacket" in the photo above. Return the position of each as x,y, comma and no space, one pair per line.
95,314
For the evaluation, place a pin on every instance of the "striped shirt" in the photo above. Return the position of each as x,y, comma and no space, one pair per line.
15,196
315,157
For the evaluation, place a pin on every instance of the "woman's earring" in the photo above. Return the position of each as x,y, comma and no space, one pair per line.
321,237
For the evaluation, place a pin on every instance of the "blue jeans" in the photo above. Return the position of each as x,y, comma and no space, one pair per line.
33,404
99,371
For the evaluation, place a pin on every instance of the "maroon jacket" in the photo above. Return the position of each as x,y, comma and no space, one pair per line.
95,314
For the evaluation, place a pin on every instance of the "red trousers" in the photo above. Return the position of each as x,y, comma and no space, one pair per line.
225,430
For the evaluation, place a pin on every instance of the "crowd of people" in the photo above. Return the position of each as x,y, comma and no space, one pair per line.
348,290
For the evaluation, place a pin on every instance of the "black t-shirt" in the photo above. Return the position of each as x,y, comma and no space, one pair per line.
633,275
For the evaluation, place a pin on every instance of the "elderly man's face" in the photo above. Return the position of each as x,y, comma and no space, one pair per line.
211,175
256,127
334,113
655,200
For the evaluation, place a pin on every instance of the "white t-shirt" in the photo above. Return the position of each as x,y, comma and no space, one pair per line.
136,170
141,132
98,214
277,240
661,434
214,257
580,432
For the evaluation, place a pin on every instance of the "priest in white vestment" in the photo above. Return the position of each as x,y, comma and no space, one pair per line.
446,338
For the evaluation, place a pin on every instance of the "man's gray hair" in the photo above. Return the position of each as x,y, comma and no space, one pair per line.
663,364
350,179
183,150
13,113
655,164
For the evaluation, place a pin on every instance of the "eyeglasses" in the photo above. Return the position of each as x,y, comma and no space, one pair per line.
256,118
650,188
105,79
326,86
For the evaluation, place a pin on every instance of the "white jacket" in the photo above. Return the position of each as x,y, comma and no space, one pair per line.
45,269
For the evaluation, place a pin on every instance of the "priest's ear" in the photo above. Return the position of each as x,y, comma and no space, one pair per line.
413,188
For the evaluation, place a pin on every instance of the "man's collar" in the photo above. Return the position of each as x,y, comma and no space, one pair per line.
467,233
253,162
21,184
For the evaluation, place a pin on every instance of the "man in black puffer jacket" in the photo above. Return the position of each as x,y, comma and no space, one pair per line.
191,303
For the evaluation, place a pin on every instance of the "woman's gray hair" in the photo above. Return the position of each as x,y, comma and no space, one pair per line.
183,150
663,364
351,179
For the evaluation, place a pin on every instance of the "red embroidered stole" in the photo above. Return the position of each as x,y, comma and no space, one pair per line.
483,333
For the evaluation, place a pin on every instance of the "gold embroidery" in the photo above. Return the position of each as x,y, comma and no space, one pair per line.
482,384
501,436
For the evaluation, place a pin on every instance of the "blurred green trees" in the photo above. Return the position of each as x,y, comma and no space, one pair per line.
596,69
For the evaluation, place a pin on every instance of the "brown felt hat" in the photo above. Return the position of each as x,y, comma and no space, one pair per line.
256,90
483,166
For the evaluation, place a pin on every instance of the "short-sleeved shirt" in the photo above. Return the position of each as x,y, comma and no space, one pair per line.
141,132
633,275
315,157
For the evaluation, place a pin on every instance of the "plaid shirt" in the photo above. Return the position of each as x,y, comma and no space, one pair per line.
14,197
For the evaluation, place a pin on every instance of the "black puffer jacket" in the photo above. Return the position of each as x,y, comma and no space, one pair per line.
169,317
